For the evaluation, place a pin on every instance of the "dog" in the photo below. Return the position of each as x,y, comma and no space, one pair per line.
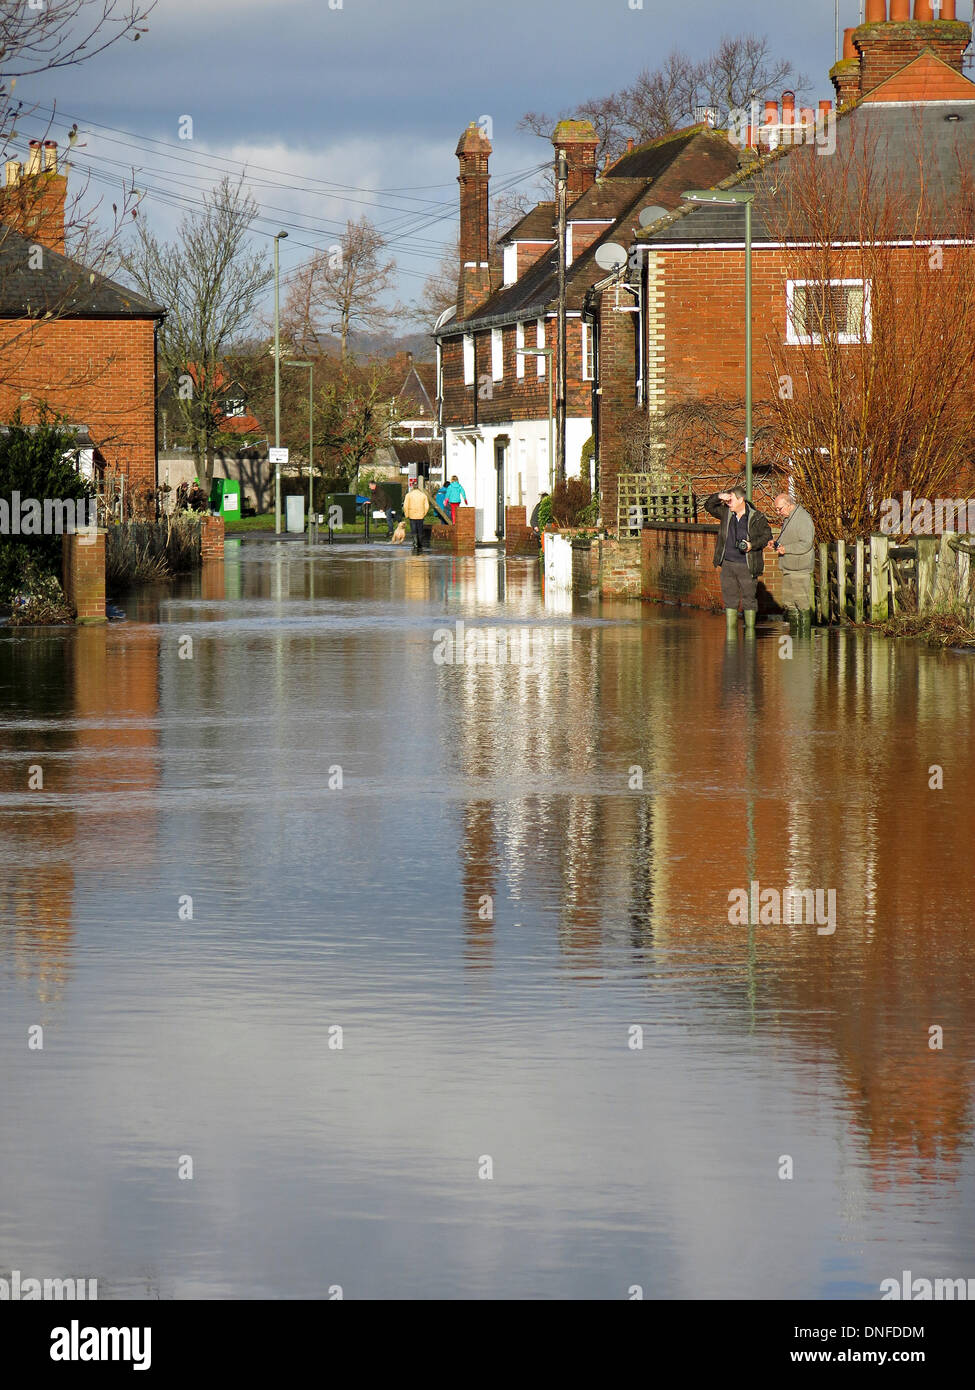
399,535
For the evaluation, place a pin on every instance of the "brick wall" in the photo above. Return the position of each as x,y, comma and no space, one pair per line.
83,575
96,372
211,538
581,565
619,568
459,538
677,566
518,538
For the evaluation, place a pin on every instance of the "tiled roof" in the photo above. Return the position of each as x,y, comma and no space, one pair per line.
648,161
536,225
61,287
617,199
926,78
895,134
413,394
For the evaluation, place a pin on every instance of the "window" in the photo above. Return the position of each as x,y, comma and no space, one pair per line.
815,308
519,344
234,407
497,355
540,342
588,351
468,359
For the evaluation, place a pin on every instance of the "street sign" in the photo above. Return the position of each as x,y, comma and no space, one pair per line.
277,455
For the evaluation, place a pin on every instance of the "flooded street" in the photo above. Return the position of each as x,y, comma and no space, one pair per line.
432,969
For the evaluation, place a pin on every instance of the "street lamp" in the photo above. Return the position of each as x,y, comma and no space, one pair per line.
729,198
311,431
278,238
545,352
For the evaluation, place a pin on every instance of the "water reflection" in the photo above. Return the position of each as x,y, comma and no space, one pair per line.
521,864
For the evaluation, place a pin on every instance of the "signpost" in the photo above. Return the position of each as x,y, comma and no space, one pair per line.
277,457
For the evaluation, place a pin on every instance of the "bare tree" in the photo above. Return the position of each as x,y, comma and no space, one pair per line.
210,281
872,397
345,282
666,98
439,292
39,38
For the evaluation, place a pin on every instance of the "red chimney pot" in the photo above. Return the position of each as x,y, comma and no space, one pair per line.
900,10
849,47
876,11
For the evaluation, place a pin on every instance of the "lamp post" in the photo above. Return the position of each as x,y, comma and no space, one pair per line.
729,198
545,352
311,432
278,238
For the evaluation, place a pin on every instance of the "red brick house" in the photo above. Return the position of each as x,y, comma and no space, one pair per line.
70,339
493,398
901,91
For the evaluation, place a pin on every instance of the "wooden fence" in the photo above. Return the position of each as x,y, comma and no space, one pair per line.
874,578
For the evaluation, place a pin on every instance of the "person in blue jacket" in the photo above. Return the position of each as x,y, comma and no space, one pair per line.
440,497
454,494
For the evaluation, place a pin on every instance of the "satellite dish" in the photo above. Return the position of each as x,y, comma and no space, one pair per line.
653,214
610,256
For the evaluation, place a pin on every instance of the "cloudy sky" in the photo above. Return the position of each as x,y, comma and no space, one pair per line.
339,111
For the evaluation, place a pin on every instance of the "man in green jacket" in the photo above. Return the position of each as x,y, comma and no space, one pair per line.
796,549
742,536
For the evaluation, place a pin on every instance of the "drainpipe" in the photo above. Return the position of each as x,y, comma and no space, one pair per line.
589,316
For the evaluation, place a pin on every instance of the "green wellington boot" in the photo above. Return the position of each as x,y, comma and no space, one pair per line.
750,616
731,619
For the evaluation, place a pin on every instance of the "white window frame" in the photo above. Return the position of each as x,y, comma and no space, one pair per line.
588,352
519,344
540,342
497,354
468,359
796,339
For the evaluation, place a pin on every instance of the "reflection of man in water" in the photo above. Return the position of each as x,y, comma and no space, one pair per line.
796,549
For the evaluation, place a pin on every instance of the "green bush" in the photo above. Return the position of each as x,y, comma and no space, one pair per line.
32,463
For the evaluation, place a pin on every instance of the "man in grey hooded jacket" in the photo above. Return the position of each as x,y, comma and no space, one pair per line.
796,549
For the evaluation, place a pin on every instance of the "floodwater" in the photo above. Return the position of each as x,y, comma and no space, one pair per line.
360,967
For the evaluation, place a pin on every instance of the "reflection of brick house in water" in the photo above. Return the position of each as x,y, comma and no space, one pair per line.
906,113
93,732
93,360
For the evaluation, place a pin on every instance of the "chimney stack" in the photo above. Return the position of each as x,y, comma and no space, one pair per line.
578,141
474,285
32,199
881,47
